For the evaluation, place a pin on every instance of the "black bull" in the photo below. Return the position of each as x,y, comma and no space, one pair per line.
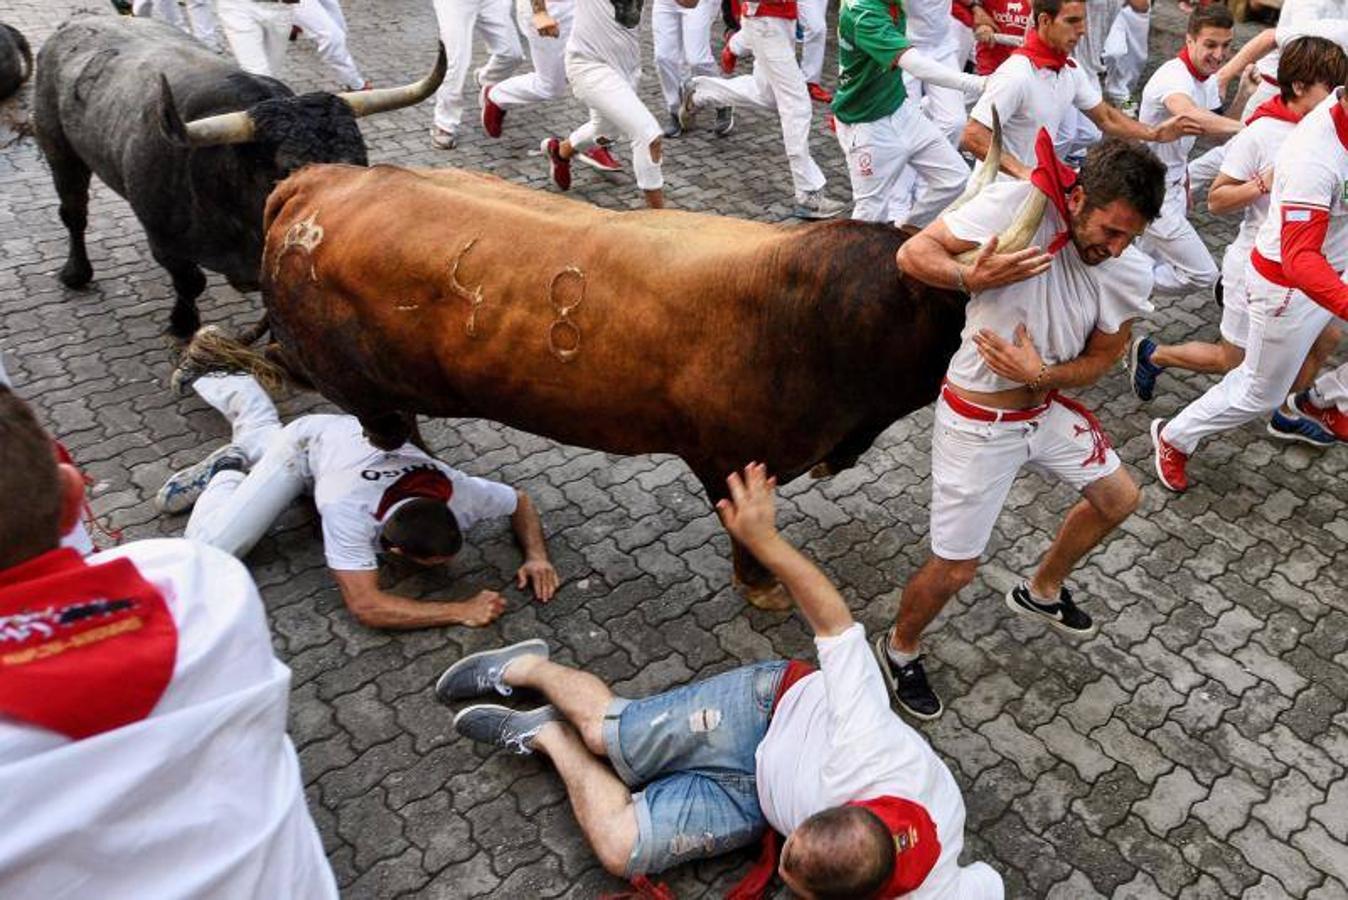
16,60
193,143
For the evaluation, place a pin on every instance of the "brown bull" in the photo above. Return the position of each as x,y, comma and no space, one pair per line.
448,293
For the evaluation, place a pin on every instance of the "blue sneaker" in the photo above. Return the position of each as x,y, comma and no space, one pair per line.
183,487
1142,372
1300,428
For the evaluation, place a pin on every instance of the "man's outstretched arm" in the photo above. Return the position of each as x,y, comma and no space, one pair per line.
374,608
750,516
537,572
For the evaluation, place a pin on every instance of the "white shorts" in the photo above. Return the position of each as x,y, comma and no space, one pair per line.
973,465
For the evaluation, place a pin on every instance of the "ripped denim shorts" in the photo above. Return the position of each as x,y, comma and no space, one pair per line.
689,753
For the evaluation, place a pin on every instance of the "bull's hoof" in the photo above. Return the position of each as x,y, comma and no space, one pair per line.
771,597
822,470
76,273
181,328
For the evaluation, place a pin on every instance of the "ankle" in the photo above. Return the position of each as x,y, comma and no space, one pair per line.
518,671
565,150
1044,590
901,648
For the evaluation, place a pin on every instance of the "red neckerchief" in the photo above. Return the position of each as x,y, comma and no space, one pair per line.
429,483
1274,109
83,649
1055,179
1340,118
90,520
916,846
1189,64
1041,55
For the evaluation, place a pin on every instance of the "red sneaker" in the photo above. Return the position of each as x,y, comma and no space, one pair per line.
559,169
728,59
1170,462
819,93
1335,422
599,157
493,117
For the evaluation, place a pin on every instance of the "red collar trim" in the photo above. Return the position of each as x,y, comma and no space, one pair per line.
1340,117
1274,109
49,563
1041,55
1189,64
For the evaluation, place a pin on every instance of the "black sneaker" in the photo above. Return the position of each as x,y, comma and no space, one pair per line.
1063,615
908,683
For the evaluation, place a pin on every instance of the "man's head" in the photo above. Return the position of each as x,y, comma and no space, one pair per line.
1208,37
423,531
1060,23
1308,71
42,499
1118,193
843,852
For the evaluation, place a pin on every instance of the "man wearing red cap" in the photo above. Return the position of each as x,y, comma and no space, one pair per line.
143,747
403,503
867,807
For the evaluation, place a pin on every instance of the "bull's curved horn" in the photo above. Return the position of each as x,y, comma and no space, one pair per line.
1017,236
988,173
226,128
365,103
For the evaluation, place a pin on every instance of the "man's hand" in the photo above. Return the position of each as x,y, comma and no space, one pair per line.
545,25
1175,127
541,578
991,269
1019,361
750,514
985,34
482,608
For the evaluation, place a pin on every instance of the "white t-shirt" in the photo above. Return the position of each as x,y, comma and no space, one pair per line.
597,37
203,797
350,476
1312,170
1060,308
1028,99
928,26
833,739
1297,14
1173,77
1247,154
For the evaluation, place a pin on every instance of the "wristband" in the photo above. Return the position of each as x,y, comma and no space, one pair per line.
1038,380
1259,180
959,278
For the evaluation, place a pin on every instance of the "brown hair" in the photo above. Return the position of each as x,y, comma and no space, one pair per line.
30,486
843,853
1119,169
1310,60
1213,15
422,528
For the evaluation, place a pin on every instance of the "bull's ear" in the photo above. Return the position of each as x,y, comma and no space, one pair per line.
170,122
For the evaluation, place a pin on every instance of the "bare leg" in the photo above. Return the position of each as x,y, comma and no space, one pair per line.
1105,504
601,802
925,595
1315,360
1199,356
580,696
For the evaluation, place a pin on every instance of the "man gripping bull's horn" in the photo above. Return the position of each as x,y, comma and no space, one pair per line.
1054,290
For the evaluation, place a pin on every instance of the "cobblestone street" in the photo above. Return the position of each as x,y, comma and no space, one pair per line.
1195,747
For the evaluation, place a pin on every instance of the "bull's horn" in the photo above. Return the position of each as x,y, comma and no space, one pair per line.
226,128
365,103
1020,232
988,173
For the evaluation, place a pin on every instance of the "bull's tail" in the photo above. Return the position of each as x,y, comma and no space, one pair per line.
211,350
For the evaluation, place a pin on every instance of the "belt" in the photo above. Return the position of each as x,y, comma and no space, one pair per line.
983,414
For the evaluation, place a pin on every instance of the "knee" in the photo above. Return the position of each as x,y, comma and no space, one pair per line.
592,734
1119,503
656,150
956,576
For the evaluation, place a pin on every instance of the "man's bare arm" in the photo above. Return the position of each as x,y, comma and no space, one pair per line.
1019,360
374,608
1213,124
543,22
932,257
977,139
537,571
1114,123
1228,195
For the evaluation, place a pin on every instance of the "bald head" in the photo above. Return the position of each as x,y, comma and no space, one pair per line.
843,852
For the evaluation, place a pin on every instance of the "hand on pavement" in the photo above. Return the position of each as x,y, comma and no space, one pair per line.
540,577
482,608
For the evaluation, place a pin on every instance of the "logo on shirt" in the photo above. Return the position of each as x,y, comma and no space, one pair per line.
392,474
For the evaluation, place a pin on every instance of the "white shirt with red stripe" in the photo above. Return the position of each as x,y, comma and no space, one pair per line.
834,739
1029,98
1311,174
1170,78
201,798
1060,308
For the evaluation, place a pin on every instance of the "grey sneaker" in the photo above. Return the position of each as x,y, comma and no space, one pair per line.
480,673
443,139
725,121
816,205
687,111
504,727
673,127
184,487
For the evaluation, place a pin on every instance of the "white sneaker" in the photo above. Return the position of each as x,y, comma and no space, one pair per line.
817,205
185,486
443,139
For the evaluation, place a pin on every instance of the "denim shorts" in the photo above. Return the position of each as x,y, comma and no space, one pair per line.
691,752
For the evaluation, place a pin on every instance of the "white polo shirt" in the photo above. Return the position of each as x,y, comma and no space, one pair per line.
596,36
1028,99
1312,170
1060,308
928,25
1171,78
1252,151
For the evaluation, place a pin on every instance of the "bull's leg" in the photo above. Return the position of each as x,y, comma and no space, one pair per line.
845,455
189,282
71,178
759,586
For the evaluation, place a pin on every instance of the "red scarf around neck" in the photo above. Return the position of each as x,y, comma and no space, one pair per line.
916,846
1041,55
1274,109
1056,180
1189,64
429,483
83,649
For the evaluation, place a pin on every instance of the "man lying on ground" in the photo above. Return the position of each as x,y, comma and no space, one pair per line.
868,808
404,503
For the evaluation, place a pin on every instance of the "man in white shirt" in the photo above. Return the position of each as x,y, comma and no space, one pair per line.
324,21
143,747
402,502
868,809
681,40
1039,83
199,22
1037,322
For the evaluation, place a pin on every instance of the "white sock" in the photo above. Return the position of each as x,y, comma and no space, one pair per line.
898,657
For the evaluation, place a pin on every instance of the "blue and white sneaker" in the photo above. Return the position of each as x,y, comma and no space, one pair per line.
481,673
501,726
185,486
1300,428
1142,372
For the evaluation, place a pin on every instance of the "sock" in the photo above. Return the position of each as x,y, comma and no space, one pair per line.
1042,601
898,657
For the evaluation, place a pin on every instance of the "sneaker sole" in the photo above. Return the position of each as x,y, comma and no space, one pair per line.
878,649
459,666
1015,607
1130,366
1297,437
587,161
1296,407
1156,456
495,707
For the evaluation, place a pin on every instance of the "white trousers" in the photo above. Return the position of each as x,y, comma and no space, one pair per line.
548,79
1183,263
617,112
813,15
1284,324
323,21
776,83
257,33
879,152
682,42
1126,53
200,19
1204,169
459,20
